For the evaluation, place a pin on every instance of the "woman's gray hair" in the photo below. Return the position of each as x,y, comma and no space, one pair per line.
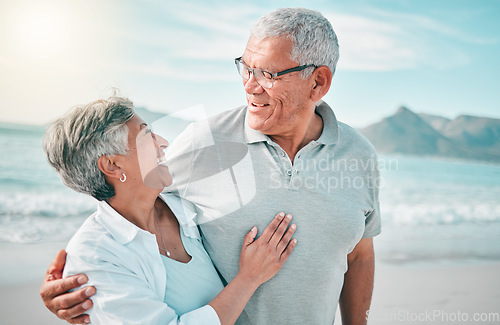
314,39
74,143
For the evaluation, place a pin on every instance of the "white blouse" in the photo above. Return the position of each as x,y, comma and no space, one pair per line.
124,264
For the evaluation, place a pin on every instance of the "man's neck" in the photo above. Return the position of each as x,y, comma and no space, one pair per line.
300,136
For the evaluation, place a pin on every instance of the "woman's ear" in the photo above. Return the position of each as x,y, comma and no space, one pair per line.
109,166
323,80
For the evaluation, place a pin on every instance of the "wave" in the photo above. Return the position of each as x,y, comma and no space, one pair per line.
31,217
407,215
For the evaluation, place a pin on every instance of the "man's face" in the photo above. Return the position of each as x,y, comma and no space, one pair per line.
278,110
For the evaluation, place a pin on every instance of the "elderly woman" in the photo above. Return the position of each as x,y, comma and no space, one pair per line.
146,266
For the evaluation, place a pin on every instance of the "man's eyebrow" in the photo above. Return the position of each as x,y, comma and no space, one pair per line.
268,69
143,125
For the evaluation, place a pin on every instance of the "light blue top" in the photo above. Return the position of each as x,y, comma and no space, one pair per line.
134,285
190,285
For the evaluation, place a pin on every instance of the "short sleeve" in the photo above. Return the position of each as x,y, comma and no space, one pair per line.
373,224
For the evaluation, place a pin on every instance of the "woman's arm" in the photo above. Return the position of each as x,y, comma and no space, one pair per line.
130,279
126,298
260,260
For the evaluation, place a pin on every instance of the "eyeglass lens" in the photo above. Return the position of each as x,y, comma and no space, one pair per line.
262,77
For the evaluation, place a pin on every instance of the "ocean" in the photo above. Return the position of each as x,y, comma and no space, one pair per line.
438,211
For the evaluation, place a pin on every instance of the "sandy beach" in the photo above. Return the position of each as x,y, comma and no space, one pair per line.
23,268
418,293
436,294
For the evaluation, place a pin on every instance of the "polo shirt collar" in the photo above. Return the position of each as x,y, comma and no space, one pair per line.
330,134
251,135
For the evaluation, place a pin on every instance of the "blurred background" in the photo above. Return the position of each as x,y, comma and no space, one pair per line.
417,78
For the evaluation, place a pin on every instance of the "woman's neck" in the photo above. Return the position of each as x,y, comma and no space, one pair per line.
138,208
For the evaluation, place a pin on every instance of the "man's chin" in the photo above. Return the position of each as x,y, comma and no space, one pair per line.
257,121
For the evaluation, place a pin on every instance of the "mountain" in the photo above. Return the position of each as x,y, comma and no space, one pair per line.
466,137
439,123
474,131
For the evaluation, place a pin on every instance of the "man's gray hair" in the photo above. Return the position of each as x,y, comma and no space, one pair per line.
314,39
74,143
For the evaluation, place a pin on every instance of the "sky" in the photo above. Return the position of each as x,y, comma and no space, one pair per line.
433,56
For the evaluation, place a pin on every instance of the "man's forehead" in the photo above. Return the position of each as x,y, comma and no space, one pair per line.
271,51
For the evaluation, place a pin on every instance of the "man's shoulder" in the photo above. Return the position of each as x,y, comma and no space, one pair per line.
349,136
228,123
238,112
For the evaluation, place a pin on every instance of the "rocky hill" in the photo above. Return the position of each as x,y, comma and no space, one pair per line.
467,137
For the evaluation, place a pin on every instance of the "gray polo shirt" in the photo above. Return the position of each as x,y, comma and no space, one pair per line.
239,178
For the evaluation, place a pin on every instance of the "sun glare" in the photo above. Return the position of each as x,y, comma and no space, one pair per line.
42,30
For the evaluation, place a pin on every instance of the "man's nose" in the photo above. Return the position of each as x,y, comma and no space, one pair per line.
252,86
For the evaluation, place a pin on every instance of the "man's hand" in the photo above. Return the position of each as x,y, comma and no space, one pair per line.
67,306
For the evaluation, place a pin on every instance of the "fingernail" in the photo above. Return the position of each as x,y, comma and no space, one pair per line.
87,320
82,280
86,305
293,226
281,214
289,216
89,291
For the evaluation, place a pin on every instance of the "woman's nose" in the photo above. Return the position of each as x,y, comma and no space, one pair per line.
161,142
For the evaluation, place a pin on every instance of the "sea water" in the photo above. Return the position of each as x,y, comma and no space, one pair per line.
438,210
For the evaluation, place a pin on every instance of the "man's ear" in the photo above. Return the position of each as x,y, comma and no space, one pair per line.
323,80
109,166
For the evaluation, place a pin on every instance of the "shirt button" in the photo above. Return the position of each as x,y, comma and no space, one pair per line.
289,172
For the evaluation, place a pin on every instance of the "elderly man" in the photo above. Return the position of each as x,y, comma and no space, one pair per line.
296,158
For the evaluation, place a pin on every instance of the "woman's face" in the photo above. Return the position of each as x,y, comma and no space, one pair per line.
147,149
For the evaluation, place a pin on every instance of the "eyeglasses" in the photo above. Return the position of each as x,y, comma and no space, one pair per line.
264,78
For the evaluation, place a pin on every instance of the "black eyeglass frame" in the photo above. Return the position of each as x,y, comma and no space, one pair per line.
239,60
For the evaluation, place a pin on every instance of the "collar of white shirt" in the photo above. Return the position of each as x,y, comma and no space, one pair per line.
124,231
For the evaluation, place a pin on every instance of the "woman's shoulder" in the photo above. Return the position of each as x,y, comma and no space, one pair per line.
107,237
89,239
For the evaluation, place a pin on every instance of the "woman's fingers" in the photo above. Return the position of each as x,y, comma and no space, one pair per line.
261,258
286,253
280,230
269,231
249,237
285,240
